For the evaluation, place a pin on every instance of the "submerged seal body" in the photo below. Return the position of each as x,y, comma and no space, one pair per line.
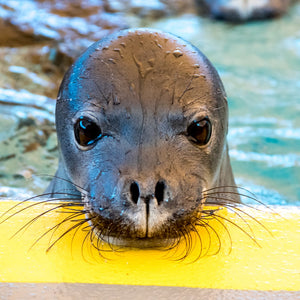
141,121
244,10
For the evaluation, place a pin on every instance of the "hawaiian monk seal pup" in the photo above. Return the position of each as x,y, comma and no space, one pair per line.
141,121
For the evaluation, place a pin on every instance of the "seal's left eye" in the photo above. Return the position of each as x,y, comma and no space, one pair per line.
86,131
200,131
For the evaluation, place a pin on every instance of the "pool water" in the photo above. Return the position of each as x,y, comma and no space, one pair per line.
259,64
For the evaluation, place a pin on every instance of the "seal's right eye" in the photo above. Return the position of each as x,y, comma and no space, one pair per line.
86,131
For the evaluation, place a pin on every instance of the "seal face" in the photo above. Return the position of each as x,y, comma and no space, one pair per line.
141,121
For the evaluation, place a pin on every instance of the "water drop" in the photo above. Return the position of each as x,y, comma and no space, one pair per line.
157,44
112,60
177,53
116,101
151,62
119,51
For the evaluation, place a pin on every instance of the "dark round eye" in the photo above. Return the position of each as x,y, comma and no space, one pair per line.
200,131
86,131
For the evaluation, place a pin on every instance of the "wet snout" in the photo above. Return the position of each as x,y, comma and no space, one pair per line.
141,193
147,198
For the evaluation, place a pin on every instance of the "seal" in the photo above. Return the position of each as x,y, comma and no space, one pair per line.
241,10
141,120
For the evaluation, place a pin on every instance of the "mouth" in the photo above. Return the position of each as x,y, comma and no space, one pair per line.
141,243
122,232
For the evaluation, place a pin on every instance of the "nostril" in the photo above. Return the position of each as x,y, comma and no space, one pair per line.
160,191
135,192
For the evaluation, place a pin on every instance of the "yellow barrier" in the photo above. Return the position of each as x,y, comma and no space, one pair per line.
273,265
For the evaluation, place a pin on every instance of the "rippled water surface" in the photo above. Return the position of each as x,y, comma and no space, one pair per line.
259,64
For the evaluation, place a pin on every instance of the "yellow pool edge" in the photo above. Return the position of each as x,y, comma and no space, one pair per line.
274,265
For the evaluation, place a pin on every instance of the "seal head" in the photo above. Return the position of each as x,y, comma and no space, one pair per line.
141,122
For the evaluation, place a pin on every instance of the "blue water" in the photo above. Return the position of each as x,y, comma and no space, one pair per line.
259,64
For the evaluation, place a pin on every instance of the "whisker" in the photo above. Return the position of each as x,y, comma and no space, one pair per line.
225,228
84,240
203,225
249,215
66,219
240,228
65,233
35,219
230,201
54,228
39,202
201,243
239,215
215,232
252,197
188,246
232,187
66,180
90,237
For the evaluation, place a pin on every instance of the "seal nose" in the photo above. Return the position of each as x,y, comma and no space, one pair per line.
134,192
158,193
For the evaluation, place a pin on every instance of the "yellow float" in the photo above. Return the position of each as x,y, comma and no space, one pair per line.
258,250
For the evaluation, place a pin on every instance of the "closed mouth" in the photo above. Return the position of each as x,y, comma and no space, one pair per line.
122,232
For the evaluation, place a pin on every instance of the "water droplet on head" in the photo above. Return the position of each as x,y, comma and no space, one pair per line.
111,60
157,44
128,114
151,62
132,87
116,100
119,51
177,53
